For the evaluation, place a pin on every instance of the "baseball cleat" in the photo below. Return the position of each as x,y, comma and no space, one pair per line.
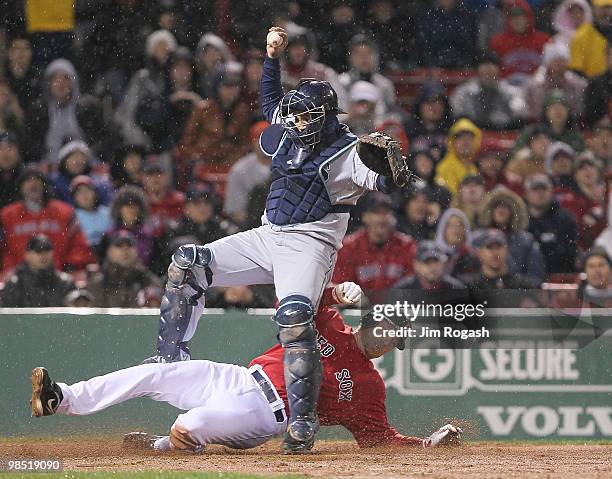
140,440
300,436
293,446
447,435
46,395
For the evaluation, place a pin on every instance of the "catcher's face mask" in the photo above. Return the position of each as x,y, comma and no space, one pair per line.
301,119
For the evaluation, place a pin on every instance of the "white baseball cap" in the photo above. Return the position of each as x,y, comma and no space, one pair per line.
364,91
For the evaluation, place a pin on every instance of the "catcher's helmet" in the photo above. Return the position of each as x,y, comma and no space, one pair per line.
302,110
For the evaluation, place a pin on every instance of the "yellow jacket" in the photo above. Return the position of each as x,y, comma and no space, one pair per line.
49,15
451,170
588,51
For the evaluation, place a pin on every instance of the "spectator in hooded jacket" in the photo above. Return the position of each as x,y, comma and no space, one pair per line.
506,211
556,121
94,217
216,133
487,100
75,160
553,74
62,114
590,43
130,212
597,96
559,161
463,145
37,213
365,66
147,85
212,54
36,283
529,157
520,46
568,17
446,35
11,167
587,200
553,227
162,118
454,238
428,126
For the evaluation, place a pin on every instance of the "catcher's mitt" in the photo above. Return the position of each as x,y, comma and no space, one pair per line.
381,153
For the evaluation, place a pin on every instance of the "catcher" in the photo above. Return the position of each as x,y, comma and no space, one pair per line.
243,408
316,177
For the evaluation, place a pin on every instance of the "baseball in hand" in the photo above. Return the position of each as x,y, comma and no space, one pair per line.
274,39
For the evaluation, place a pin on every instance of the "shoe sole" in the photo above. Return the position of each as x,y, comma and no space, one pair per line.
297,452
37,387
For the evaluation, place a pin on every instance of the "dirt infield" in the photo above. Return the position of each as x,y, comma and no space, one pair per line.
332,459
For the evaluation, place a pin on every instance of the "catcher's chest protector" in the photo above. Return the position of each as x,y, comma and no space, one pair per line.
298,195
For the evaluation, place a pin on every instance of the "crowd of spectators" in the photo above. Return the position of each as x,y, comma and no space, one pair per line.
128,128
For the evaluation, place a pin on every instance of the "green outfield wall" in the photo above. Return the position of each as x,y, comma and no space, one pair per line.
515,389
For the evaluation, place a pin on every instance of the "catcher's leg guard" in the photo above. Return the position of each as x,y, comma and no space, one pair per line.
188,278
303,371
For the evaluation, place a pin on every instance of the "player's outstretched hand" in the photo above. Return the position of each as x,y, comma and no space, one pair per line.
447,435
276,42
347,293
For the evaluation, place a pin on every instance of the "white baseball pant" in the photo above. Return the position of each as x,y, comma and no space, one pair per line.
224,403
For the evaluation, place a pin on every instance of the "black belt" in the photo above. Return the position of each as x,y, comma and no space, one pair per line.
341,209
266,387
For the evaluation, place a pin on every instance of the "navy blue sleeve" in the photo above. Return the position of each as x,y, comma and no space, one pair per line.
385,184
271,90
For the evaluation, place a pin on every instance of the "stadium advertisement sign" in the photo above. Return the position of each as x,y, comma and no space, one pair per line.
512,389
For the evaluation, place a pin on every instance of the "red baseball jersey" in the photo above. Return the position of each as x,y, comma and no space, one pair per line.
169,208
57,221
371,266
352,391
